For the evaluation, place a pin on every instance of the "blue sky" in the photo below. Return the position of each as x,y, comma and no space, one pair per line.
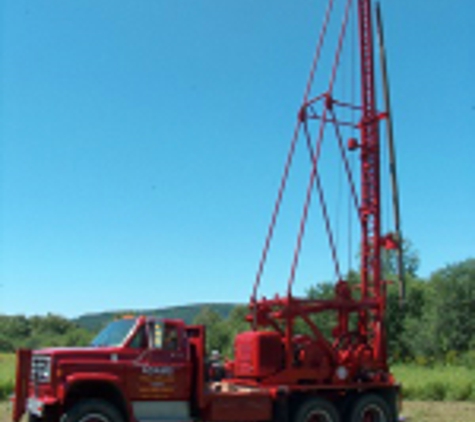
142,143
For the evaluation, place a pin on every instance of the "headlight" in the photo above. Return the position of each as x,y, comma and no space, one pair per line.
41,369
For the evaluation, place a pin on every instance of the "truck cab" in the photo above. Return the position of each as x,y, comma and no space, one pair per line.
137,368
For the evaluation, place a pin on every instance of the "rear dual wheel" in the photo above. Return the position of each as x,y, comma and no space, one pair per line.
367,408
371,408
317,410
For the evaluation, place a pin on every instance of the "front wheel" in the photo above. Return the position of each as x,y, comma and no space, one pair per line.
93,411
371,408
317,410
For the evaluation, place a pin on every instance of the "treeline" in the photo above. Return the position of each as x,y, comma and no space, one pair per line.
94,322
40,331
438,320
436,323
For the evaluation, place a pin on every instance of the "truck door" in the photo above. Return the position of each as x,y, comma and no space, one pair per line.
159,382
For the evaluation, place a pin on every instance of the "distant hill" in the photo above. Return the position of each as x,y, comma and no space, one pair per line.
94,322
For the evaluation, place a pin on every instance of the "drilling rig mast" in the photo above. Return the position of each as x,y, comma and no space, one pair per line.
360,352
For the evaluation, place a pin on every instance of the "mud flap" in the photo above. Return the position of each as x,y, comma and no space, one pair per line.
23,369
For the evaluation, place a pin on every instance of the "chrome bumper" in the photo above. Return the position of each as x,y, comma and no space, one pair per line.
35,406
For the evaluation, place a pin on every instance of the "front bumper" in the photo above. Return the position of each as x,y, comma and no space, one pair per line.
37,406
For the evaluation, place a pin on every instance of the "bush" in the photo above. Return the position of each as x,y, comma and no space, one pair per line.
435,390
460,392
6,389
6,346
411,391
468,360
451,357
421,361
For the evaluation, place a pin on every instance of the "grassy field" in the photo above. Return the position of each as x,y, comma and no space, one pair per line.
449,383
7,371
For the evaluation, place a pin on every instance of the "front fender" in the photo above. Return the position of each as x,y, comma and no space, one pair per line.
101,385
93,377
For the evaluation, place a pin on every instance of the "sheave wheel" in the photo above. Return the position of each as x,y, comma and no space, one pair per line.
93,411
317,410
371,408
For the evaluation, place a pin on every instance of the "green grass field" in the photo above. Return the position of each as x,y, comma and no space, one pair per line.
449,383
7,373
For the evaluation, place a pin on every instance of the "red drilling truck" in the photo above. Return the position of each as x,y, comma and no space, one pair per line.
143,369
146,369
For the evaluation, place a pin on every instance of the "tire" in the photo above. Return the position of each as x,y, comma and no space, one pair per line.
371,408
317,410
93,411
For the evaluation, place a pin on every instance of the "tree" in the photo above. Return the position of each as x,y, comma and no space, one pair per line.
410,260
325,321
406,338
452,310
235,323
36,332
217,337
6,346
401,322
207,317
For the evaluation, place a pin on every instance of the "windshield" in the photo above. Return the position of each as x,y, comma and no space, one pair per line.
114,334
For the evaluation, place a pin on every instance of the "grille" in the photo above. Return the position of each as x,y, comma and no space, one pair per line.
41,369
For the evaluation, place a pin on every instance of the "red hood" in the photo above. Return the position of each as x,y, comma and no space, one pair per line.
66,353
75,350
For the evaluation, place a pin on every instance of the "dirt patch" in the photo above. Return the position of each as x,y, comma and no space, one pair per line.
425,411
6,413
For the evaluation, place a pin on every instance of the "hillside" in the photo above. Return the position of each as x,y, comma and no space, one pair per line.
94,322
